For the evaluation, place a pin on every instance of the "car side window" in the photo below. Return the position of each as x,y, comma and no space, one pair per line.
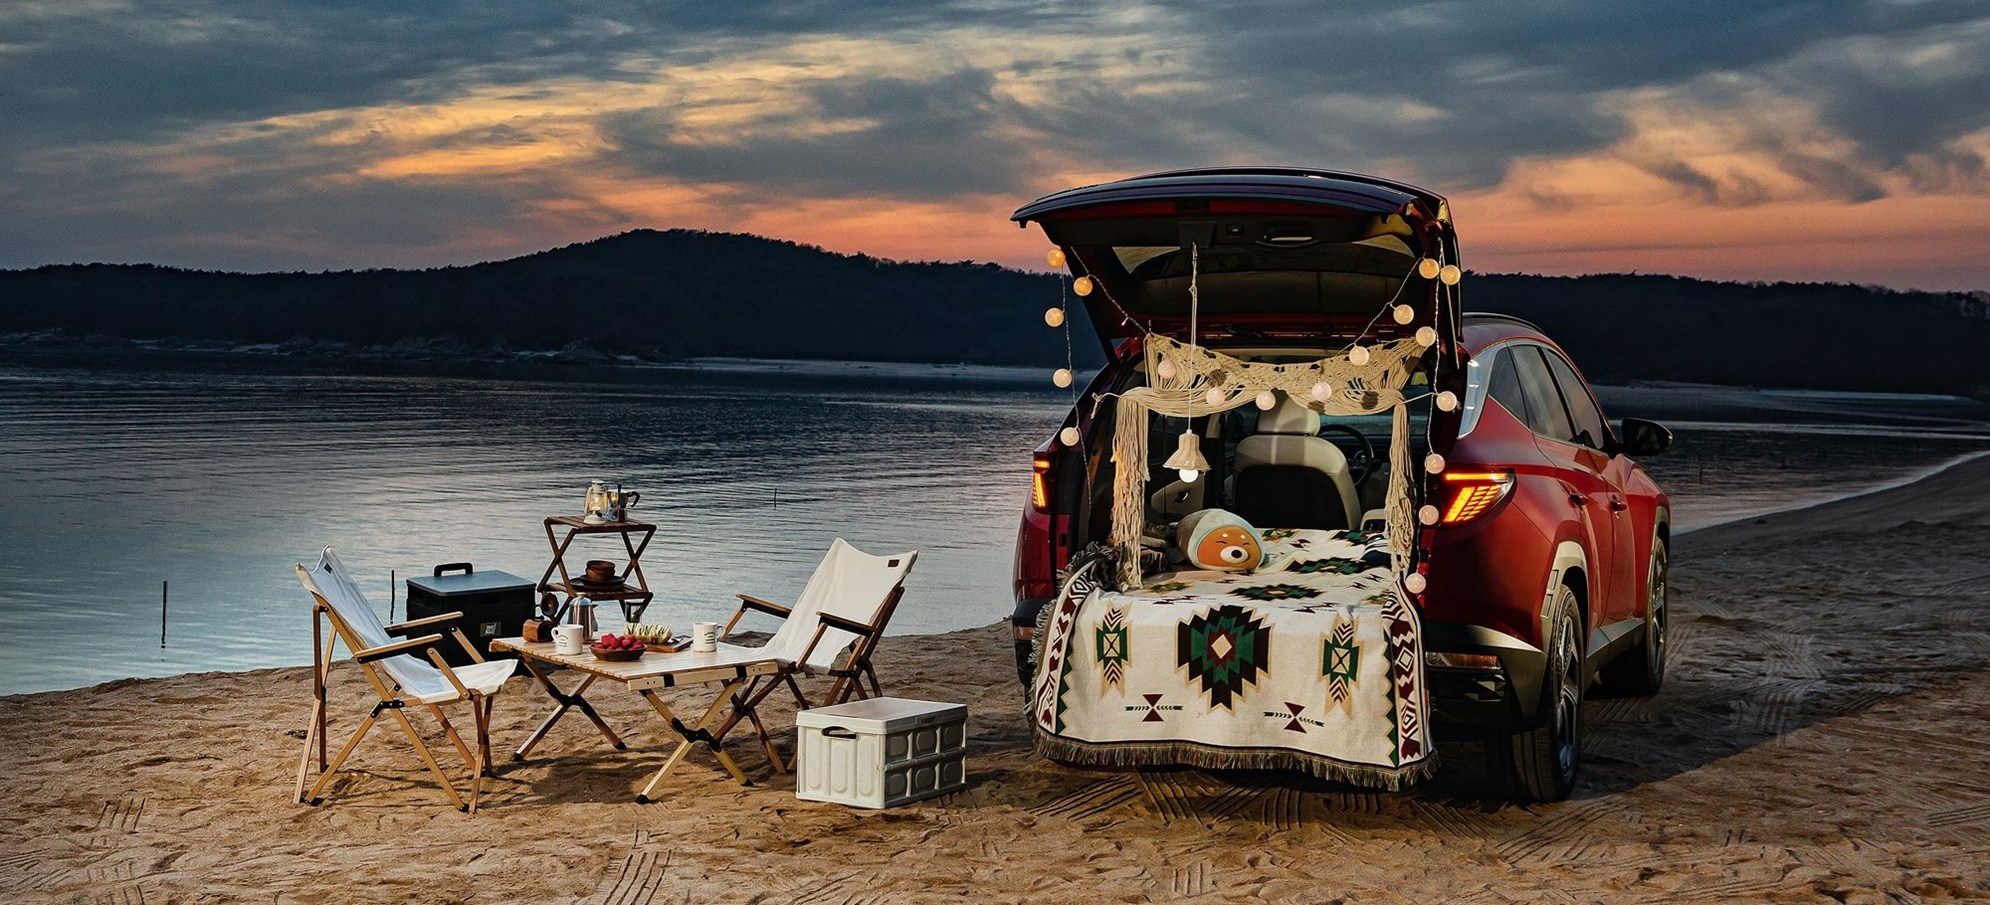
1546,415
1590,428
1505,387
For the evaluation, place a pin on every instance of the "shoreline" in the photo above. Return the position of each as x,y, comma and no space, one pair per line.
1908,480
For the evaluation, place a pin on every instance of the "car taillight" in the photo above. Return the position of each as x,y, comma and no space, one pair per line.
1473,493
1040,483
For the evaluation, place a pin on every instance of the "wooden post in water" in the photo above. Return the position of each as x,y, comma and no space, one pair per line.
393,591
164,586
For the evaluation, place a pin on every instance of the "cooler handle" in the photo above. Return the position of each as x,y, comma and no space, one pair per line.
462,567
837,732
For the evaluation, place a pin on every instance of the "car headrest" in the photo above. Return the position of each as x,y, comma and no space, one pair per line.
1290,417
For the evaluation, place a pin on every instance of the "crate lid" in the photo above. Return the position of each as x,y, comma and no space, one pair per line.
881,715
460,583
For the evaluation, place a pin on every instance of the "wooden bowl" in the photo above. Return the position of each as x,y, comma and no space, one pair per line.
615,656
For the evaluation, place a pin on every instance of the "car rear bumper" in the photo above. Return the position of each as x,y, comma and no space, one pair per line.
1483,697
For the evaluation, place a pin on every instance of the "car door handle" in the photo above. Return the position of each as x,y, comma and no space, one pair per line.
1578,500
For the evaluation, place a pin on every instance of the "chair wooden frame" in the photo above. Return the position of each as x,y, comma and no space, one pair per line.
391,699
849,677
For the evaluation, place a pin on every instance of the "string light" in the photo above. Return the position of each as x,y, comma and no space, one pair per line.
1427,515
1357,354
1403,314
1082,286
1166,369
1053,317
1323,391
1213,396
1432,463
1449,275
1267,400
1447,401
1415,583
1056,257
1068,436
1426,268
1426,336
1061,377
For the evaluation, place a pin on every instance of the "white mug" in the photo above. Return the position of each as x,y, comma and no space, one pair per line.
704,636
569,639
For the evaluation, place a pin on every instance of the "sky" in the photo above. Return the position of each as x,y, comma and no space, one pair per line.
1844,141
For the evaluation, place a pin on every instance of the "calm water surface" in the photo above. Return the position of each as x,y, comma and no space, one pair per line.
218,476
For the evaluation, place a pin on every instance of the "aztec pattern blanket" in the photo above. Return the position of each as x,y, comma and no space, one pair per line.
1311,662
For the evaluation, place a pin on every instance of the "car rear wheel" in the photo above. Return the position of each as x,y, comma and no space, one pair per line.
1641,670
1539,764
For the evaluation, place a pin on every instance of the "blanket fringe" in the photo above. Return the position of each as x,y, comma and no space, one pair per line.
1207,757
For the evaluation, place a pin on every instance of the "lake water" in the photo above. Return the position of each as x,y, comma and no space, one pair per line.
216,475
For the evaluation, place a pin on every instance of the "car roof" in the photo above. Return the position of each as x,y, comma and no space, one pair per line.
1482,330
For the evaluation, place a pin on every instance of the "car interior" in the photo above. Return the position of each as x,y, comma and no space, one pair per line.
1289,467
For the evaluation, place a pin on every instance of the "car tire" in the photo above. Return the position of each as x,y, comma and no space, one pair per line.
1641,670
1539,764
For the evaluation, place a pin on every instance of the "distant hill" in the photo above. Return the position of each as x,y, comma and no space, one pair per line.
654,294
680,293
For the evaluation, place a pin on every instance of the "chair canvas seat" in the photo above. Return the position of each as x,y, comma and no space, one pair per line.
398,679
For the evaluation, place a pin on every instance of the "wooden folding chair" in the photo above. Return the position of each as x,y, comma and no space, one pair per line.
842,612
397,676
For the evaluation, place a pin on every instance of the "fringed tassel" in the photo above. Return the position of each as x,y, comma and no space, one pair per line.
1188,754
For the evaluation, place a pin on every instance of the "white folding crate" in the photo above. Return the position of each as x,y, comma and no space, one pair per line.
881,752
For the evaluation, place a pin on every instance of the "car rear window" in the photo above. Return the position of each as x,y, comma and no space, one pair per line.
1590,428
1546,415
1505,387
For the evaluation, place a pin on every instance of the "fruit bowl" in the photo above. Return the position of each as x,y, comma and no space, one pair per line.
615,654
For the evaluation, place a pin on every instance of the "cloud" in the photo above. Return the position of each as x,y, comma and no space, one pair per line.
292,133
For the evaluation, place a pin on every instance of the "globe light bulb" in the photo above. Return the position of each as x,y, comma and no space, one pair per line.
1053,317
1213,395
1425,336
1427,515
1426,268
1449,275
1415,583
1447,401
1061,377
1082,286
1323,391
1267,400
1188,475
1068,436
1056,257
1432,463
1358,355
1402,313
1166,369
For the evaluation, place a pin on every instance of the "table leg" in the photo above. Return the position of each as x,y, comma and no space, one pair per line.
566,701
693,734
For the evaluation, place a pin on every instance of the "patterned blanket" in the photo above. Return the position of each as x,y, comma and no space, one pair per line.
1311,662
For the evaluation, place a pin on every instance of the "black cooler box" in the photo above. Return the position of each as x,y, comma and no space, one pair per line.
493,604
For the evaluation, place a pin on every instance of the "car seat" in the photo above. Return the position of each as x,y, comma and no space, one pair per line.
1288,477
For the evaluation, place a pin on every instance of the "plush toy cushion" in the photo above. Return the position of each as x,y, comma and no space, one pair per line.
1218,539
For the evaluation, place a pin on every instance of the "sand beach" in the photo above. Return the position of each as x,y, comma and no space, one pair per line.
1818,739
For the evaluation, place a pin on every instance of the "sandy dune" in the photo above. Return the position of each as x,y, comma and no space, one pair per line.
1819,739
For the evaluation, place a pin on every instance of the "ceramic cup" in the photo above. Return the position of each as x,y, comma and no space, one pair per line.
569,639
705,636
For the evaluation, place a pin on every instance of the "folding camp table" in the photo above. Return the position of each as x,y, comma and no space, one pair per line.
731,667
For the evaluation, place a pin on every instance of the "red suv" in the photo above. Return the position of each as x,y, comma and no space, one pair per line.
1544,545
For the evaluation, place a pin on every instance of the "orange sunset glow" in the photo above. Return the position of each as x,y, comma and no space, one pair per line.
1850,146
